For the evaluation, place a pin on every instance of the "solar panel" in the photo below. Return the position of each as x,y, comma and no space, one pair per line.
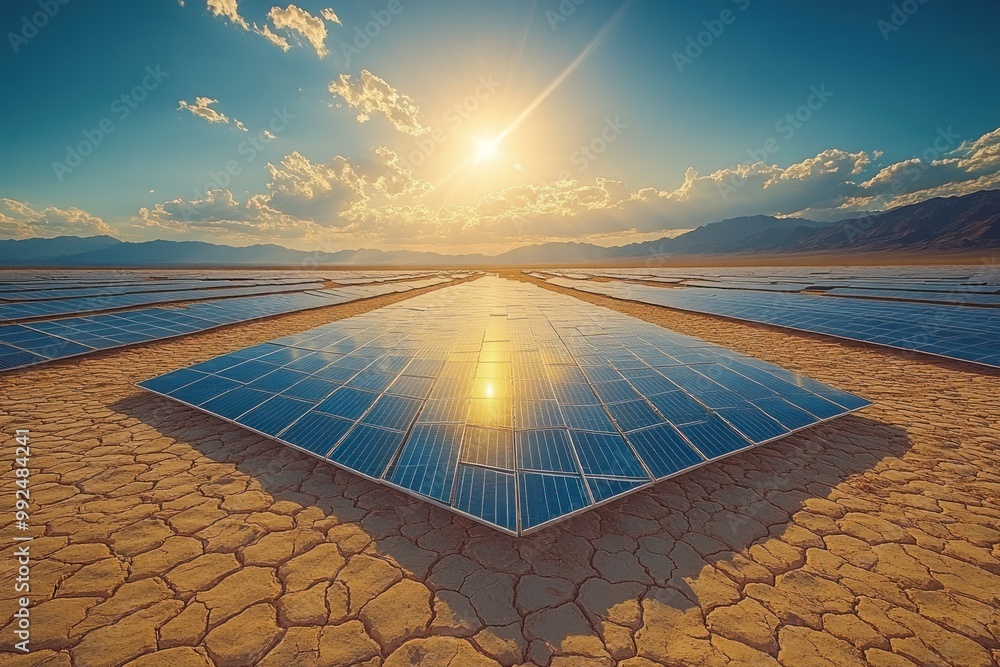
954,331
37,342
450,399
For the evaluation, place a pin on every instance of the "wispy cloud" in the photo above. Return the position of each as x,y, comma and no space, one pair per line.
202,108
298,20
229,10
371,94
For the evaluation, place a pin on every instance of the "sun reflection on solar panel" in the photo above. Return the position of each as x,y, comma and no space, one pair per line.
507,403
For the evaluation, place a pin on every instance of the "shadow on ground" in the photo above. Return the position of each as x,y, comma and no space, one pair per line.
637,576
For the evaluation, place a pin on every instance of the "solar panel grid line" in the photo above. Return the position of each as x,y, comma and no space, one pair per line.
826,325
95,343
611,470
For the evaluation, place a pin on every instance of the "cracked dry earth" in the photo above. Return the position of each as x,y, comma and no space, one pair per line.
168,537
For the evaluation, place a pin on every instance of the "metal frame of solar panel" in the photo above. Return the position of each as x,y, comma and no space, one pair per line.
29,344
480,396
955,332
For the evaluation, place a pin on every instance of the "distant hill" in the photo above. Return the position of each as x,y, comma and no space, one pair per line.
31,250
947,224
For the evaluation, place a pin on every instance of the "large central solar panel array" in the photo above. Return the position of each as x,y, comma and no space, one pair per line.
38,342
505,402
956,332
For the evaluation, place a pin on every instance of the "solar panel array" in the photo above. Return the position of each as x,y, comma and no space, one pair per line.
956,332
505,402
955,284
38,342
88,304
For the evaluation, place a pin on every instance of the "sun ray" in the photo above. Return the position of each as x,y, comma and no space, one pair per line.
542,96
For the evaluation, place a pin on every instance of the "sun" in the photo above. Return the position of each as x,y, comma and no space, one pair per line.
487,149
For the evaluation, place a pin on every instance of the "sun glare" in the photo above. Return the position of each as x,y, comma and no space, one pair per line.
487,149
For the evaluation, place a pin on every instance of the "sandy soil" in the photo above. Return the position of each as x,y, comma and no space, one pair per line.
167,537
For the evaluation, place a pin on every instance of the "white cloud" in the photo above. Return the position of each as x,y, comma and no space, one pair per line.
330,16
296,19
202,109
18,220
370,94
219,214
229,10
377,200
277,40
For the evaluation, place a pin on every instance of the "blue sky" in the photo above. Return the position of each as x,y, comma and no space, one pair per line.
487,125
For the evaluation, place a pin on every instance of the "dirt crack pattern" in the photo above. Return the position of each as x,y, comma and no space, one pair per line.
167,537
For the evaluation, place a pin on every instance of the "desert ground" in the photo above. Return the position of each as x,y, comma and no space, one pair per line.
166,537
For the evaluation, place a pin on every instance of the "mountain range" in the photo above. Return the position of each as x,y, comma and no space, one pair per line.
953,224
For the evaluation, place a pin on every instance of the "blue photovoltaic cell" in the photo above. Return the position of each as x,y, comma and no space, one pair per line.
488,494
277,381
16,359
414,387
754,424
367,450
547,497
609,455
173,380
616,390
587,418
664,450
204,390
427,463
311,389
516,406
393,412
678,407
489,447
538,414
276,415
545,450
714,437
784,412
234,403
630,415
348,403
317,432
605,489
575,394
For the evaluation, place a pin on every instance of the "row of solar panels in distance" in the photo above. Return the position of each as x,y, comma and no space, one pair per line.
27,344
29,309
955,332
898,280
949,293
330,405
147,287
